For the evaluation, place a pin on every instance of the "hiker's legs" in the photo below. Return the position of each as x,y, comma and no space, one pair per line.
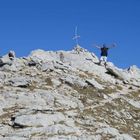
103,59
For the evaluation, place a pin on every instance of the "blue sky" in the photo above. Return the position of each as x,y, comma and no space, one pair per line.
27,25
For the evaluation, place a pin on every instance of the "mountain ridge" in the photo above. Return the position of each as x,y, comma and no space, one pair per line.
67,95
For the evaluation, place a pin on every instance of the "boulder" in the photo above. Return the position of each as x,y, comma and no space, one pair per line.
117,73
5,60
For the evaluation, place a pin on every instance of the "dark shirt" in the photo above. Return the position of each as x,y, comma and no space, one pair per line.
104,51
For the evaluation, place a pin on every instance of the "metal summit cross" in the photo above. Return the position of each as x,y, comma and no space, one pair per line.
76,36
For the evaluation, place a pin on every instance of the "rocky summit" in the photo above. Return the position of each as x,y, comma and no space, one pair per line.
66,95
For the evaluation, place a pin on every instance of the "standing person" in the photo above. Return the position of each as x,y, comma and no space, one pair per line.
104,53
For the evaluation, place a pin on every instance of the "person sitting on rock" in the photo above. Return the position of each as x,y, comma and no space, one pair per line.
104,53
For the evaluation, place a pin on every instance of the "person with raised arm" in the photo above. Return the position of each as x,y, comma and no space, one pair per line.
104,52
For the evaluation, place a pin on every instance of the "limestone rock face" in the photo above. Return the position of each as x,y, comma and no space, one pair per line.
67,95
131,75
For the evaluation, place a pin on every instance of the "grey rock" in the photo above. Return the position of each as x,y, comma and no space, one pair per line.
94,83
73,80
19,82
48,66
39,120
117,73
